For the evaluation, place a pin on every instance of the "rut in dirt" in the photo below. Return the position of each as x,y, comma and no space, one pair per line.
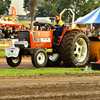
52,89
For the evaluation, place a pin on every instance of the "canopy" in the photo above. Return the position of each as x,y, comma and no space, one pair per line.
92,17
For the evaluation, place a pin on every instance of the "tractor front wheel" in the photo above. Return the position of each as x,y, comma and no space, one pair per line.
39,58
14,62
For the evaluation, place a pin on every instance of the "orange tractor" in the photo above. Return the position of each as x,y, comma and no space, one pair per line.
73,47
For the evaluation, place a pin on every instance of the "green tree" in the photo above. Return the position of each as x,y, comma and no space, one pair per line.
26,5
4,6
52,7
46,9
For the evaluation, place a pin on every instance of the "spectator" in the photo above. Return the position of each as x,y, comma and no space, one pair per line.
1,34
11,32
2,29
89,33
29,26
27,29
11,28
98,31
7,32
15,33
94,32
24,28
18,29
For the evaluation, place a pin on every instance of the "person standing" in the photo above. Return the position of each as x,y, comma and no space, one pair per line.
5,30
94,32
89,33
15,33
8,32
1,34
98,31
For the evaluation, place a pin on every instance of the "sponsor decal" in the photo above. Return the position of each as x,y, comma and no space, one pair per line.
4,45
42,34
39,45
11,54
45,40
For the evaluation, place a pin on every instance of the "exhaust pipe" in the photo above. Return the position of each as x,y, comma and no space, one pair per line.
32,5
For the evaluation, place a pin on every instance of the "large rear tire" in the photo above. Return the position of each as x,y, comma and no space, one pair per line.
75,49
54,60
39,58
14,62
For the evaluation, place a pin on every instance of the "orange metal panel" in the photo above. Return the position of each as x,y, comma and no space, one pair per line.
43,34
31,39
95,50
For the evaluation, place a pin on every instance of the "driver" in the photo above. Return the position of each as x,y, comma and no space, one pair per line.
58,28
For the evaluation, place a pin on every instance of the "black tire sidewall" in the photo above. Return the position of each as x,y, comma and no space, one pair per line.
11,63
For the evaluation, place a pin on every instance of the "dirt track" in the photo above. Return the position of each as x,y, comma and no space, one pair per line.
52,88
48,87
25,64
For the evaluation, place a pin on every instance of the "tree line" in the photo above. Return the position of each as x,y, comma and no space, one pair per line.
50,8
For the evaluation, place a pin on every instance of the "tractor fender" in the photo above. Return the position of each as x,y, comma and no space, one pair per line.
65,31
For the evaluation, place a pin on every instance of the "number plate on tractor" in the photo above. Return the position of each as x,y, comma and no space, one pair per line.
45,40
12,51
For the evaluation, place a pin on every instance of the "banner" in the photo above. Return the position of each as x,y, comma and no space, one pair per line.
13,10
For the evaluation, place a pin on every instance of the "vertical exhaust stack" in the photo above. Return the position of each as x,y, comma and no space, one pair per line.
32,5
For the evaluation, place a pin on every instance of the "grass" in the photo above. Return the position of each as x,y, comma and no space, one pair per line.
25,24
18,72
2,53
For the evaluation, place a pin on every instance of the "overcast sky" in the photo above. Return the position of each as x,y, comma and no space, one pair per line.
19,7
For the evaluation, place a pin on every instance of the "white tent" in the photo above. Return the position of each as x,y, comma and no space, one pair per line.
92,17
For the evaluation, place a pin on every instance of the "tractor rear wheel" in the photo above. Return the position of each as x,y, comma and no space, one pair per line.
54,60
39,58
75,49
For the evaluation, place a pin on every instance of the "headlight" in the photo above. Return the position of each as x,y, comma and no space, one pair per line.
21,44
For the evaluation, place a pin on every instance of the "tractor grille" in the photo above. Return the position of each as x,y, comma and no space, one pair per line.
24,36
